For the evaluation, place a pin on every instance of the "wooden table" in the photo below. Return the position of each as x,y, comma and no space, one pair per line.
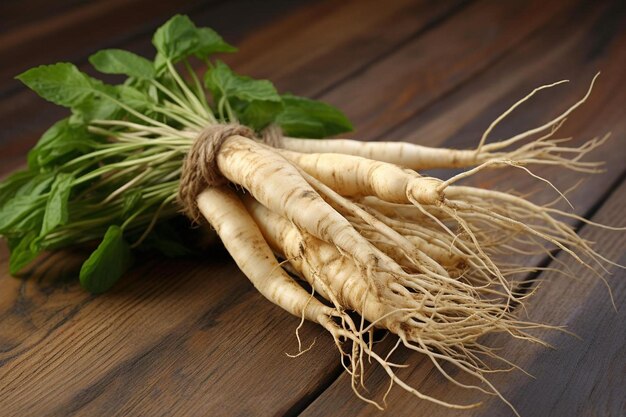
192,337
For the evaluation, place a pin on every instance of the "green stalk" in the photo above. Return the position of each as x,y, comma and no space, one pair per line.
194,101
196,82
171,95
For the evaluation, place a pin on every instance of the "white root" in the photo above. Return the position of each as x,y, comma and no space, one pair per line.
545,150
259,169
240,234
480,214
423,327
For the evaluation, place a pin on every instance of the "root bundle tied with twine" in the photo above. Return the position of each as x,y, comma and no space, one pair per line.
343,233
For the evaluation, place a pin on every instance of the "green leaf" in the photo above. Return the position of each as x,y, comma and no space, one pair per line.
22,202
179,38
255,102
176,39
61,83
24,252
222,81
209,43
153,93
258,114
65,85
135,98
97,106
38,185
311,119
119,61
62,142
10,186
56,213
159,62
19,213
107,263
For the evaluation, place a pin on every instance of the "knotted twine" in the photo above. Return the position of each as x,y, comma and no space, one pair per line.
200,170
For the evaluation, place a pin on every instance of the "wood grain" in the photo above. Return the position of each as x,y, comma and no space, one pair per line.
99,23
571,54
180,333
16,14
439,61
191,337
340,39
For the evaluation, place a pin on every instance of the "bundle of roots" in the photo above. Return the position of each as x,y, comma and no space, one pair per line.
341,227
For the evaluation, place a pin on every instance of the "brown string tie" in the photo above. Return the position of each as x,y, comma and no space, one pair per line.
200,169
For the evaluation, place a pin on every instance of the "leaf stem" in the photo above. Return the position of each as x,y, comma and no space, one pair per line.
194,101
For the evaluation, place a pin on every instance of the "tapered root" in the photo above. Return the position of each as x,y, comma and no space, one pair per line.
443,320
545,150
478,223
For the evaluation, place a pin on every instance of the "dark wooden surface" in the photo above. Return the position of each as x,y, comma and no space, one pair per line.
192,337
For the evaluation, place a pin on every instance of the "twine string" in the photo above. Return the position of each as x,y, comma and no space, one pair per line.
200,170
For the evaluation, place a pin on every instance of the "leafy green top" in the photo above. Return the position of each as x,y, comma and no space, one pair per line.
110,170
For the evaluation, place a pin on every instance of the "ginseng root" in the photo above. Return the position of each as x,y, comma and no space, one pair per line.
479,214
545,150
445,325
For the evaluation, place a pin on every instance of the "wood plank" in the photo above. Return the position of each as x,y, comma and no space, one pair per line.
72,35
339,39
477,103
185,335
15,14
115,356
584,375
568,52
438,62
475,106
